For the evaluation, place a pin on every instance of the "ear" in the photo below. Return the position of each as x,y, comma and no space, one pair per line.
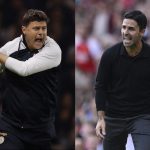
23,29
142,32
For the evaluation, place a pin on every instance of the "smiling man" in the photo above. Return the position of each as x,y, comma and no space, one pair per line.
123,88
29,103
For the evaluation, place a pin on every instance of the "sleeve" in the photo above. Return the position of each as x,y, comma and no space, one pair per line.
47,58
10,46
102,82
7,49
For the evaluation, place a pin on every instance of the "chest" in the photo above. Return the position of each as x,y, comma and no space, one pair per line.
23,55
133,68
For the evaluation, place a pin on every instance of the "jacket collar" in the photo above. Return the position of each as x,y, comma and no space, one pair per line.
145,52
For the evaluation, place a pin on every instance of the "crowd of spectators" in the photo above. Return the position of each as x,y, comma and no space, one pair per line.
98,26
61,27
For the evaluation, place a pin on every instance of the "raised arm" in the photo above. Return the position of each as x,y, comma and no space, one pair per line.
47,58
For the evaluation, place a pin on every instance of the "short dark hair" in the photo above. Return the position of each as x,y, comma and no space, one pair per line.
34,15
138,16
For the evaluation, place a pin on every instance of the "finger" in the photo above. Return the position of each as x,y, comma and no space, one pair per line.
102,136
99,134
103,131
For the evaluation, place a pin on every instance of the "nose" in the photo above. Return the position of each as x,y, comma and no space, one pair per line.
40,31
125,31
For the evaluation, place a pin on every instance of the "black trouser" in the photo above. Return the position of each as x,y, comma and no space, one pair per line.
117,131
12,142
22,139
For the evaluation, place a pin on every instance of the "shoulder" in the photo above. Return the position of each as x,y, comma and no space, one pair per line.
113,51
51,46
13,42
115,48
11,46
146,49
146,45
50,51
51,43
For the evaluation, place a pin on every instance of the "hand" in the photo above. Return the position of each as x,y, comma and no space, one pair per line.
3,58
100,129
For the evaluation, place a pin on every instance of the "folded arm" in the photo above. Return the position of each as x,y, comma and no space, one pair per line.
47,58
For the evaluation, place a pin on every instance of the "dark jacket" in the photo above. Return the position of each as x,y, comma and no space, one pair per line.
30,102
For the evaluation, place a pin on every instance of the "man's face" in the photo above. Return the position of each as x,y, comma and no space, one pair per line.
35,34
131,32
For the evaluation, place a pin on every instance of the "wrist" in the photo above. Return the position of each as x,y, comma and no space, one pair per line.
101,115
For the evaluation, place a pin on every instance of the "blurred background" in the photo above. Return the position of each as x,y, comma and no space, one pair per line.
97,27
61,28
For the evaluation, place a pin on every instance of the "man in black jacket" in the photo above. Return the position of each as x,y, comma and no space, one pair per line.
123,88
29,103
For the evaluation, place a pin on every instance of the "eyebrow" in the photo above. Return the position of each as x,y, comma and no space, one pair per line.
123,25
39,26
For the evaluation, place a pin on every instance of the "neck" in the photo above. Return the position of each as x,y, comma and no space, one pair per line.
25,42
135,49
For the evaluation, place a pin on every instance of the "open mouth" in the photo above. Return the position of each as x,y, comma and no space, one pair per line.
38,43
127,39
40,40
